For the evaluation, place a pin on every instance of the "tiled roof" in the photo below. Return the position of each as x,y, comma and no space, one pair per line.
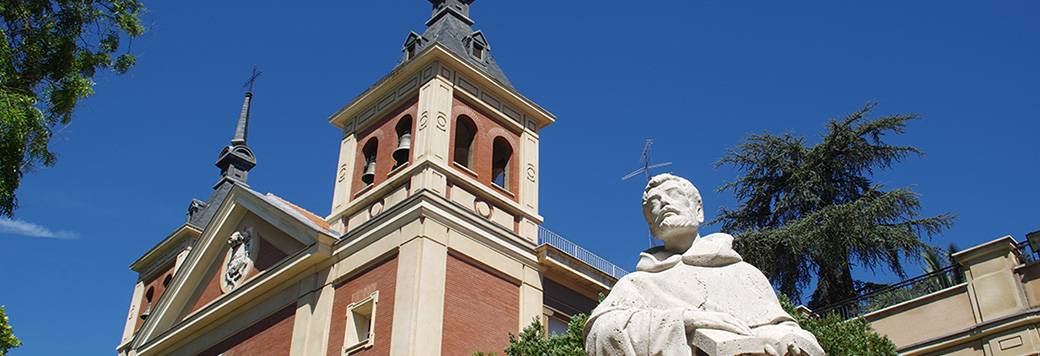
307,214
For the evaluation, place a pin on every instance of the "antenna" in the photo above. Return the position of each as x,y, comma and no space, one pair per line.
645,169
645,160
252,79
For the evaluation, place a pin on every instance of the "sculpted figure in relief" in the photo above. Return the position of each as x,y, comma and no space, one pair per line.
692,296
241,258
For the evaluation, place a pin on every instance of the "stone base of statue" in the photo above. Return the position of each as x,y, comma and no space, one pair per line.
717,342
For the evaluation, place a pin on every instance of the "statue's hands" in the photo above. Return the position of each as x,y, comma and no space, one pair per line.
695,319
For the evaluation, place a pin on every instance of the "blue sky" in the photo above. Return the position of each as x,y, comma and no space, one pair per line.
697,76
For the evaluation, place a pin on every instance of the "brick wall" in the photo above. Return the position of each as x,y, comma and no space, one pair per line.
487,131
271,336
381,277
155,283
480,309
385,132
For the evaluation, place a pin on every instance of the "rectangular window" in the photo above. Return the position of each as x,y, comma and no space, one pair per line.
361,317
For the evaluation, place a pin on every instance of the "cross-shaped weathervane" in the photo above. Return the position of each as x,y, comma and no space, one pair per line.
252,79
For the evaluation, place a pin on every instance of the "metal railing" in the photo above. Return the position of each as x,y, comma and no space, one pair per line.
877,297
547,237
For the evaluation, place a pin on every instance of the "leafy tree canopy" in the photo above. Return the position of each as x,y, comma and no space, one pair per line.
842,337
810,211
533,340
50,52
7,339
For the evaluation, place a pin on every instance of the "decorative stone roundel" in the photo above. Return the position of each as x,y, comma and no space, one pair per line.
482,208
376,209
442,123
243,249
531,174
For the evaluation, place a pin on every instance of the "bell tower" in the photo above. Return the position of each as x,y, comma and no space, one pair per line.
446,121
440,159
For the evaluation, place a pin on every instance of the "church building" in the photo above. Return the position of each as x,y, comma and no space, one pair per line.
433,244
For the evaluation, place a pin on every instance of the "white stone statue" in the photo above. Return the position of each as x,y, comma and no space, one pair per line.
240,258
692,296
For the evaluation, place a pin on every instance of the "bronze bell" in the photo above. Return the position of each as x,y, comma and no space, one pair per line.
404,146
147,311
370,172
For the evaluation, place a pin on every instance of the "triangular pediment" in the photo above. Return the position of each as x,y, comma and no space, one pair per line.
478,36
250,238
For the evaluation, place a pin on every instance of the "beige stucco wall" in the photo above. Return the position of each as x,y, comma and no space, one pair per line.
925,318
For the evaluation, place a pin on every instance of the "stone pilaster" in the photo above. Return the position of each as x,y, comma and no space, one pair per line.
344,172
992,286
419,297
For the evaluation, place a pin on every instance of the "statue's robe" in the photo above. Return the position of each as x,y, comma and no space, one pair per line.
643,314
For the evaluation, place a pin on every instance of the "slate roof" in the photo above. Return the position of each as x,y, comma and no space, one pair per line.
453,30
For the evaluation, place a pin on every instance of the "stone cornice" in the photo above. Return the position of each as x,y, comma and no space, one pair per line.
436,61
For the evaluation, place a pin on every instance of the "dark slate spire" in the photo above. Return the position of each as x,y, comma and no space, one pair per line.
237,159
451,27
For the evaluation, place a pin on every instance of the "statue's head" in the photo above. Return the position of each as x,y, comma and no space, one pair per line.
673,209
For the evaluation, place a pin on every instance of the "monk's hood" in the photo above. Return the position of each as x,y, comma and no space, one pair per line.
715,250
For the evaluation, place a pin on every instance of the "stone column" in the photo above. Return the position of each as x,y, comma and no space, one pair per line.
344,170
313,314
419,297
431,137
529,184
131,318
531,303
992,285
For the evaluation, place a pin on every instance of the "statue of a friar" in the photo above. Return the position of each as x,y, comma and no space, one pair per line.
692,296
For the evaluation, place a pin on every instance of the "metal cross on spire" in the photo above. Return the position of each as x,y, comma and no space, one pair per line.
645,160
252,79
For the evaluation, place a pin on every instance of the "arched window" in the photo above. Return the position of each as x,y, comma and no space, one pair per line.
368,173
148,303
465,131
166,281
501,155
404,141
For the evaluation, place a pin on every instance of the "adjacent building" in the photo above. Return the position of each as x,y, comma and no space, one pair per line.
433,245
987,302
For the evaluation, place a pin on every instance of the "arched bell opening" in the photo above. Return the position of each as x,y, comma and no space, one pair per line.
502,155
369,151
465,132
403,152
148,296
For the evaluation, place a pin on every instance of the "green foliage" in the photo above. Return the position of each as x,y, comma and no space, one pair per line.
49,54
842,337
810,211
7,339
533,340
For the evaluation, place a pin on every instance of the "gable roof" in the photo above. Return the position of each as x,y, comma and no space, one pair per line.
296,222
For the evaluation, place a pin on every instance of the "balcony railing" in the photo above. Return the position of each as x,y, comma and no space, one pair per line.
547,237
876,297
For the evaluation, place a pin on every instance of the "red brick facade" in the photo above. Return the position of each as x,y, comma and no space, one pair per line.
487,131
382,278
480,309
269,337
386,135
157,285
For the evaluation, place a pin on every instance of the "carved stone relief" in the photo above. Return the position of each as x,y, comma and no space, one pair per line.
243,249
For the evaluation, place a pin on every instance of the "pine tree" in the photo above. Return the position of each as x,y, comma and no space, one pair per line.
813,212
